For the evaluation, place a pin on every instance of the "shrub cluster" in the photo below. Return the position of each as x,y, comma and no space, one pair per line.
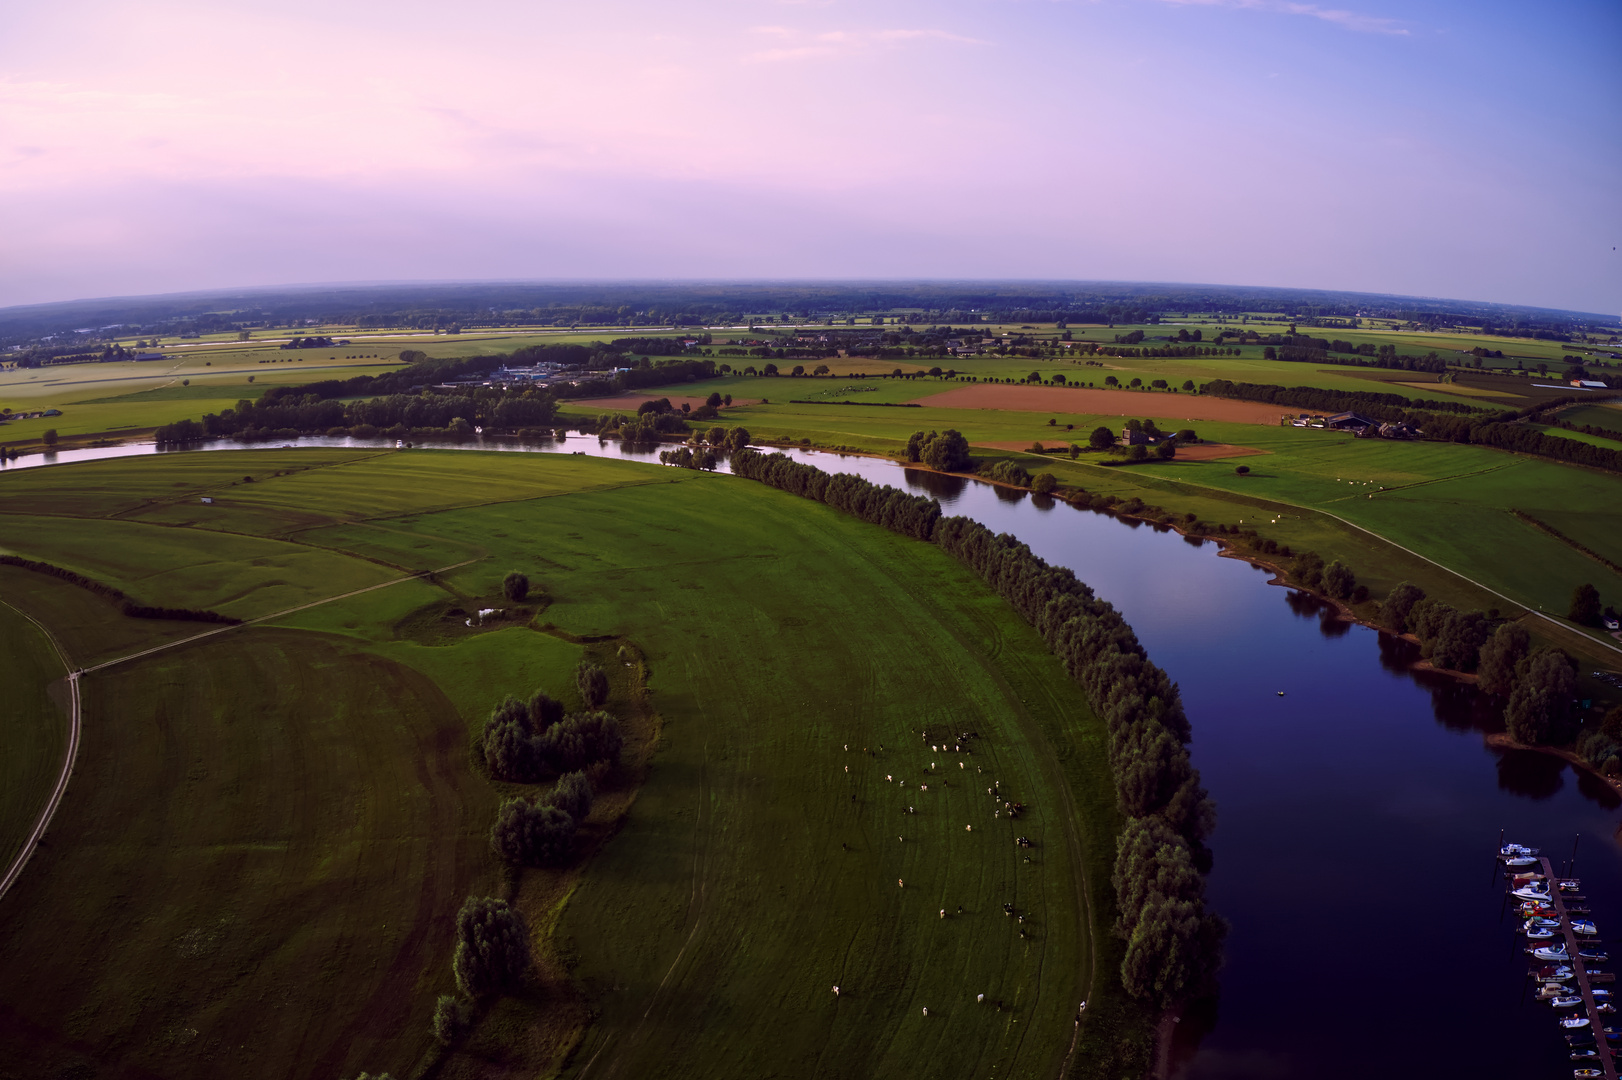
1372,403
524,742
542,833
116,596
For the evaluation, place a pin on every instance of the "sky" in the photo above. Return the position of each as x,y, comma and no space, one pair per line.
1466,149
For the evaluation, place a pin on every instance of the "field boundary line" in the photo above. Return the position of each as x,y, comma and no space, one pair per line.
14,871
1530,609
267,618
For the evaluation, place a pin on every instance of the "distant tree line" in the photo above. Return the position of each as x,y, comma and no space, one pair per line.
1375,405
116,596
1173,942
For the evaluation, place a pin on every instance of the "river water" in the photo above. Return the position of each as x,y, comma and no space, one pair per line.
1357,814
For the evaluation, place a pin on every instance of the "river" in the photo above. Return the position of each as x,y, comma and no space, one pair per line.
1357,813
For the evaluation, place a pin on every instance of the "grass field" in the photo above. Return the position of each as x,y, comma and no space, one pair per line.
291,816
36,727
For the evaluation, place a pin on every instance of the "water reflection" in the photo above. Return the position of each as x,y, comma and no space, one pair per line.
942,486
1530,774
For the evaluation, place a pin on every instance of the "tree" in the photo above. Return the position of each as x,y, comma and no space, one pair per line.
1044,483
506,742
515,586
1459,640
492,948
1242,470
1110,380
1187,436
1102,438
533,835
1159,384
1585,606
49,438
820,369
799,369
592,682
582,739
948,451
544,711
1309,568
718,436
1166,449
1500,655
1188,384
737,439
1339,581
1397,604
572,794
1539,707
714,400
453,1019
1135,383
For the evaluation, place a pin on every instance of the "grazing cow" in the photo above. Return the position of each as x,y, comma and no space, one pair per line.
836,991
926,1010
968,828
943,913
900,884
980,999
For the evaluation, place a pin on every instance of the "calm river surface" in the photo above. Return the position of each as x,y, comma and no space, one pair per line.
1357,814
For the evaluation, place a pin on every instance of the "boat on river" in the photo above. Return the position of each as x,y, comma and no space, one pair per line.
1537,933
1587,1072
1574,1022
1570,1001
1583,926
1532,892
1520,860
1551,952
1597,957
1514,850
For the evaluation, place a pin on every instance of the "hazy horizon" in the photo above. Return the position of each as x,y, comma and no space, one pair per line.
1432,149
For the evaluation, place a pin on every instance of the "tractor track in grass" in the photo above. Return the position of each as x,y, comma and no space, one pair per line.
75,712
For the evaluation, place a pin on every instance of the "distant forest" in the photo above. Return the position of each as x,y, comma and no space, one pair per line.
455,307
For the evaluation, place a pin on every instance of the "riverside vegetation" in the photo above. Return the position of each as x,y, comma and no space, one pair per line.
378,704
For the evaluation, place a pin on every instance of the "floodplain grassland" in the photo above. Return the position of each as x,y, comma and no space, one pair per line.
36,727
300,926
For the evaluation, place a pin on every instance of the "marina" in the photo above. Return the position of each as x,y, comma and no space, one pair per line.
1550,906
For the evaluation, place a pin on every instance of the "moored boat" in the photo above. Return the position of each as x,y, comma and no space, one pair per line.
1574,1022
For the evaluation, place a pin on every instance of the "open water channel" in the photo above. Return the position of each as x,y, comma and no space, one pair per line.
1357,814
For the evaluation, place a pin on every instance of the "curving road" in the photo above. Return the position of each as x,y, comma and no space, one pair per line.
43,822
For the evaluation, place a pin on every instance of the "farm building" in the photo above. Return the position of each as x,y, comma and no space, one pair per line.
1350,421
1133,437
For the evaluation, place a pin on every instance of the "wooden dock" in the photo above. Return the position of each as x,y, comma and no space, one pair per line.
1596,1021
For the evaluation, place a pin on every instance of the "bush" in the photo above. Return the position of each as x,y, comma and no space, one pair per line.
1243,470
1137,453
492,948
1166,449
592,683
453,1019
1044,483
515,586
531,835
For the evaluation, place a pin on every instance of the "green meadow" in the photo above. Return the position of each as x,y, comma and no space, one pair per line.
292,811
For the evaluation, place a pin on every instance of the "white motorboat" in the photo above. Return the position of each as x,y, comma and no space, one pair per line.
1574,1022
1551,952
1570,1001
1520,860
1517,849
1538,933
1584,926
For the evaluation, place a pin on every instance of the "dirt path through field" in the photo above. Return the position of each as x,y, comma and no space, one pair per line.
1073,400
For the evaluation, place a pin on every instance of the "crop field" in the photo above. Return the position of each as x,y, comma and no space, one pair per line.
300,925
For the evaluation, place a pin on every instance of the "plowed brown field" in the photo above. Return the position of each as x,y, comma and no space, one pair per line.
1063,399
